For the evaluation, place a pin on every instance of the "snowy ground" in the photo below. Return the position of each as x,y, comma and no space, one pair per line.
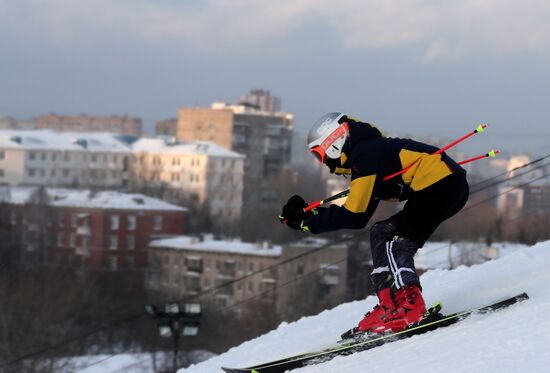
512,340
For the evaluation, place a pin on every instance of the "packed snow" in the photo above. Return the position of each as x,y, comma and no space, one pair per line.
511,340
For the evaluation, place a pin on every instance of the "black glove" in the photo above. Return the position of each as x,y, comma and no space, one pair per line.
293,212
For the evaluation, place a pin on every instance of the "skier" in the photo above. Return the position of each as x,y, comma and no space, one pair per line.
435,189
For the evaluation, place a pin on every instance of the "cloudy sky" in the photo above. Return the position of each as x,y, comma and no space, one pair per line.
425,66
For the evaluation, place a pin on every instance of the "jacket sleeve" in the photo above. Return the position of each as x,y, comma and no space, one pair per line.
354,214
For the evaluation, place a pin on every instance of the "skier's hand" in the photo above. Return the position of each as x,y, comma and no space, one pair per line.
293,212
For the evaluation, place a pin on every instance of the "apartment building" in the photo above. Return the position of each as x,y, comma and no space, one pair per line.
123,125
526,192
203,172
49,158
264,138
184,266
262,100
85,229
167,127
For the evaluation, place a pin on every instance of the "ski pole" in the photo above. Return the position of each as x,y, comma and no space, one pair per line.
478,129
492,153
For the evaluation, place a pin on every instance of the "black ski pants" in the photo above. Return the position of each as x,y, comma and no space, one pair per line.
395,241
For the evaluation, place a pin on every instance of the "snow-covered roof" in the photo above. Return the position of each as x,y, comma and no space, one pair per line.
161,145
220,246
55,140
83,198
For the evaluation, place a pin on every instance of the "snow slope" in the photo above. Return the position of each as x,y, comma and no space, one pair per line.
512,340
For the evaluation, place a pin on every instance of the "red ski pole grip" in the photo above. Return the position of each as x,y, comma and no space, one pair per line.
312,205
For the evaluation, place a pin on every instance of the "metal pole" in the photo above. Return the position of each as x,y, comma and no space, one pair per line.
175,332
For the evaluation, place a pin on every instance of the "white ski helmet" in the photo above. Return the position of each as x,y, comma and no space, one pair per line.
327,136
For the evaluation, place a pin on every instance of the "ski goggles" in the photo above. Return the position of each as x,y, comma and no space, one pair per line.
319,153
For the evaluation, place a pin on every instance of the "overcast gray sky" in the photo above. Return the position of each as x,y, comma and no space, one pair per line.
417,66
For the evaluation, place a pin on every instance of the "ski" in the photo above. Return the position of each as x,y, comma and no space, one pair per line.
433,321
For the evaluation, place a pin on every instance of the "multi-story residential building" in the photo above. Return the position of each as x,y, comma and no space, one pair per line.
264,138
48,158
202,173
168,127
183,266
86,229
525,191
123,125
262,100
7,123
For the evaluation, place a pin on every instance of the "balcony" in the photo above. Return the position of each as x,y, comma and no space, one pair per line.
83,231
84,251
330,280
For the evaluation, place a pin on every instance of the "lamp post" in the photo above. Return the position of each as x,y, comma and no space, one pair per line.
176,320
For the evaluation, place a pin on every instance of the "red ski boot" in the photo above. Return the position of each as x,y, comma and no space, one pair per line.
409,308
374,320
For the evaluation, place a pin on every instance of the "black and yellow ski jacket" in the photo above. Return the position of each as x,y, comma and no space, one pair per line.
369,156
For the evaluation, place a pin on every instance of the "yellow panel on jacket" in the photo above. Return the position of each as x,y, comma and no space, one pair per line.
427,169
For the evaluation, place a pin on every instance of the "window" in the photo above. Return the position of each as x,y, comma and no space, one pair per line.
14,217
52,173
113,262
193,264
66,157
114,222
129,261
60,219
130,242
85,243
1,172
32,156
43,156
2,155
113,242
30,171
60,239
66,172
72,240
131,222
74,219
157,222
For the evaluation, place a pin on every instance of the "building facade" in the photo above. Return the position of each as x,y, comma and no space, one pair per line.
264,139
261,99
231,273
202,173
526,192
123,125
168,127
48,158
83,229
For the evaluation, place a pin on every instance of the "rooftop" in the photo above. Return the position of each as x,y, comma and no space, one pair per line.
55,140
219,246
167,145
83,198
